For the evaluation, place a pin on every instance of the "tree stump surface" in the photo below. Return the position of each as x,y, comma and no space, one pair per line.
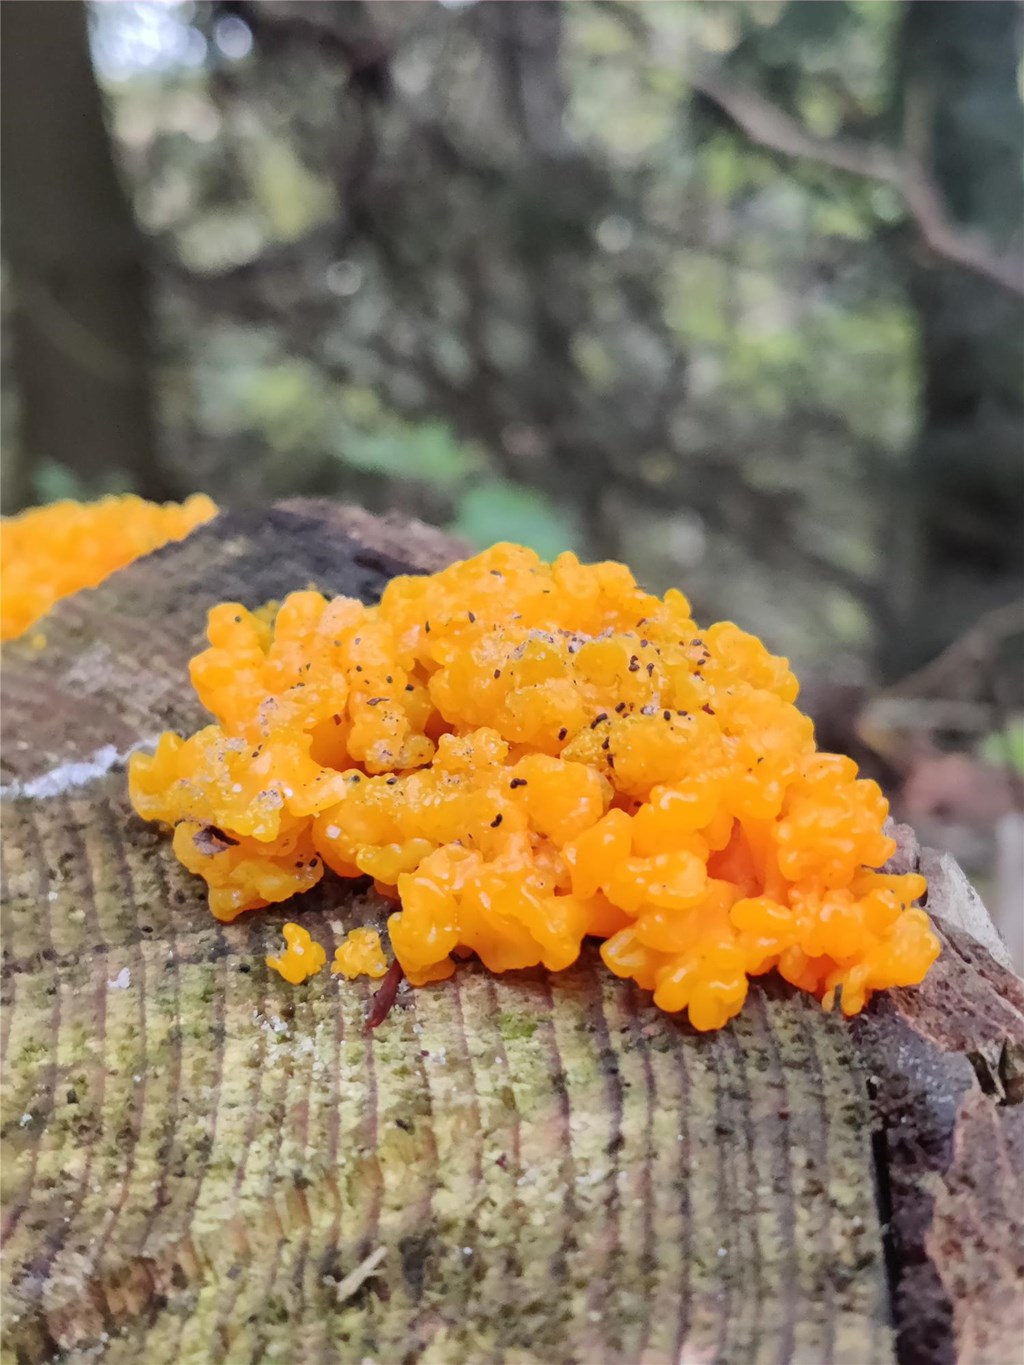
202,1162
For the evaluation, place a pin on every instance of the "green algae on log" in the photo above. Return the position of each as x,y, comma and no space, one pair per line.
202,1161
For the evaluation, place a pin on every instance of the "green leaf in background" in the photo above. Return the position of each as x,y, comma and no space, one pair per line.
286,401
293,198
430,452
54,482
1005,747
501,510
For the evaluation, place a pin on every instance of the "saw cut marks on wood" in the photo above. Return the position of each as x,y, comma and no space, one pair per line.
202,1159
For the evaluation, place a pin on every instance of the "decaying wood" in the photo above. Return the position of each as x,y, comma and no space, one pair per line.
202,1162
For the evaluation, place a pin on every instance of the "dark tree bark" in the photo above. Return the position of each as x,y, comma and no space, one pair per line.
78,281
960,523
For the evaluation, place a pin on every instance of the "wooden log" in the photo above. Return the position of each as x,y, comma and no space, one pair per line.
202,1162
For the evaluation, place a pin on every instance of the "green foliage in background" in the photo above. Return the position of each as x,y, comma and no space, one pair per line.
500,510
529,283
1006,747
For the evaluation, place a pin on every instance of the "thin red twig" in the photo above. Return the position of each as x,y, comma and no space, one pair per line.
385,997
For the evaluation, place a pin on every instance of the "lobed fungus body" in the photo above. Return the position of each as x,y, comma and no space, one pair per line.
522,755
360,955
50,552
301,958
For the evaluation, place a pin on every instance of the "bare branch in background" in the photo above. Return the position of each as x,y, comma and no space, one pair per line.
772,128
972,658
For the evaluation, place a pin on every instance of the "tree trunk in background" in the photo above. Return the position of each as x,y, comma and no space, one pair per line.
79,287
959,531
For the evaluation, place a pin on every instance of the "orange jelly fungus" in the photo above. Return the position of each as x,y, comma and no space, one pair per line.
521,755
360,955
301,958
50,552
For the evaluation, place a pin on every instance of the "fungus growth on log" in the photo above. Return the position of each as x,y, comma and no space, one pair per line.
522,755
50,552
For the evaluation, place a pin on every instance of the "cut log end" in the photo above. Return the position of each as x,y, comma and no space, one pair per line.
201,1160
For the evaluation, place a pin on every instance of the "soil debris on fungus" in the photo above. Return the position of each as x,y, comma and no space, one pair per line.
50,552
210,840
468,770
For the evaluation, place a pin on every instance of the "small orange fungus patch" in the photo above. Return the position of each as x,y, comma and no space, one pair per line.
360,955
301,958
50,552
522,755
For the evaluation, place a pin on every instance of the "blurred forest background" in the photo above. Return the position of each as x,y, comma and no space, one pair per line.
731,291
